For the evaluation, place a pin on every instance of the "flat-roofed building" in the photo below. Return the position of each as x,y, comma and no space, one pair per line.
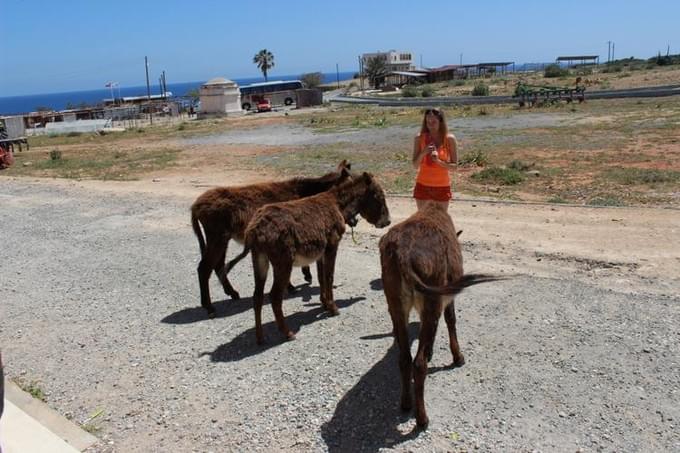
394,60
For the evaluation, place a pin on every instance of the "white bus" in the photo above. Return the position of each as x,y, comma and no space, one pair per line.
278,93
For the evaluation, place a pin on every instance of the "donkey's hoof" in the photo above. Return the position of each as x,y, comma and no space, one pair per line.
422,423
459,361
290,336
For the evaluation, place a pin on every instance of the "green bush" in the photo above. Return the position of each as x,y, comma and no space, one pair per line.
480,89
55,154
427,92
409,91
605,201
519,165
555,70
312,79
631,176
499,175
478,158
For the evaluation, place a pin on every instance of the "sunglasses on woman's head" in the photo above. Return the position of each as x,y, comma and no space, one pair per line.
433,112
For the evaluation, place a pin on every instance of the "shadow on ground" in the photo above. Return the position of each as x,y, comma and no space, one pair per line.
244,344
367,418
230,307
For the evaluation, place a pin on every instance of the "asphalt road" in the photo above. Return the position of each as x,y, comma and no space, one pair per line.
659,91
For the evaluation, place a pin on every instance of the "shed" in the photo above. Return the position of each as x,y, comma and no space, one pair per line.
220,96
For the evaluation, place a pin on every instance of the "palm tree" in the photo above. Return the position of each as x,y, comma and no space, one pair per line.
264,60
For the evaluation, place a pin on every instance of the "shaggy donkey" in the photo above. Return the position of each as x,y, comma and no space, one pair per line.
297,233
224,213
422,268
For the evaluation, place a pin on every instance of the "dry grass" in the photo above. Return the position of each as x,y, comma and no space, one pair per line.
603,152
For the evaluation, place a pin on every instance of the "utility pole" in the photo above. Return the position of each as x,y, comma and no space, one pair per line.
609,51
461,59
361,74
148,89
421,60
337,74
613,47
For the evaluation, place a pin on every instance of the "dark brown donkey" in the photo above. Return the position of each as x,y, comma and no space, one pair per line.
300,232
422,267
224,213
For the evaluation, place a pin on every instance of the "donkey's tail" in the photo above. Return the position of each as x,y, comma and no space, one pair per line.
236,259
198,232
455,287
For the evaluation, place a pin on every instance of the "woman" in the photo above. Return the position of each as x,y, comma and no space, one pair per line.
434,154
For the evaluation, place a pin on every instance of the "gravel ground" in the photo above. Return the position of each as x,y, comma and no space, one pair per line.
292,135
99,305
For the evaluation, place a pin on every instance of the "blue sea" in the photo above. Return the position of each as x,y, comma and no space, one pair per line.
61,101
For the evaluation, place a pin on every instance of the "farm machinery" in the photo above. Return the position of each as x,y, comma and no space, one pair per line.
545,94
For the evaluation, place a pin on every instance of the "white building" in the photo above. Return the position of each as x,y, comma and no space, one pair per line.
220,96
395,60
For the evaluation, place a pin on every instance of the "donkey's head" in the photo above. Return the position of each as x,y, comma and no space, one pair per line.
372,205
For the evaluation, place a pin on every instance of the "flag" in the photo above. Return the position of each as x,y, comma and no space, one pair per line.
109,84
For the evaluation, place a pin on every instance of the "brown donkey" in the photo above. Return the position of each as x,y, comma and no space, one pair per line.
224,213
300,232
422,267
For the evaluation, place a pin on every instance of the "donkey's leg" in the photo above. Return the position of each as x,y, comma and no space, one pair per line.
321,276
428,329
307,274
282,271
260,268
209,261
399,310
221,270
450,317
328,271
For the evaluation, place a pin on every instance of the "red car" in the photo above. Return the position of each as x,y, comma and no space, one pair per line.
263,105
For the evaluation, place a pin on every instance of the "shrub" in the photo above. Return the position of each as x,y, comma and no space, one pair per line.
312,79
427,92
499,175
519,165
458,83
478,158
605,201
55,154
555,70
409,91
480,89
556,199
631,176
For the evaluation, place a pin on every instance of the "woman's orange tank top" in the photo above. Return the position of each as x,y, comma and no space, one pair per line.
429,173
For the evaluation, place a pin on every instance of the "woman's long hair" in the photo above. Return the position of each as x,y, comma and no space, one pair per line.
443,129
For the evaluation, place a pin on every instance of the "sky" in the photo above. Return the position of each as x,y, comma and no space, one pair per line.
49,46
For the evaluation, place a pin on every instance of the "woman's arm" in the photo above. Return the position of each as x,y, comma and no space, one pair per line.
418,153
452,164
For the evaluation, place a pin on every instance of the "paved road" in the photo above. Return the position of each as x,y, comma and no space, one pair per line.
667,90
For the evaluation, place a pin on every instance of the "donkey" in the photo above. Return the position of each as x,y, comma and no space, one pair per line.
422,268
224,213
297,233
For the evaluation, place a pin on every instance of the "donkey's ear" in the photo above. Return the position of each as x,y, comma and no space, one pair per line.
345,174
344,165
367,176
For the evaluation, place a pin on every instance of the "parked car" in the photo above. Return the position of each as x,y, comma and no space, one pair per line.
264,105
